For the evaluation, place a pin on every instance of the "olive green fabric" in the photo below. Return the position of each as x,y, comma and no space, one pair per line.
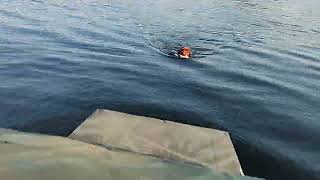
164,139
25,156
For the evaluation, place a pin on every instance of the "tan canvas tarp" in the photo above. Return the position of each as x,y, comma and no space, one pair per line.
164,139
25,156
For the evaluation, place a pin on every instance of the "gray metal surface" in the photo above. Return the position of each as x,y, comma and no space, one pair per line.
164,139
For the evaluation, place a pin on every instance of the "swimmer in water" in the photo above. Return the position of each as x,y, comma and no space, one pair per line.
183,53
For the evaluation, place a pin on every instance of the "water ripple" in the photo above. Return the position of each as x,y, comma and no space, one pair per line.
255,70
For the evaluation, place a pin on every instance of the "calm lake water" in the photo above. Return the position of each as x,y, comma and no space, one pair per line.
255,73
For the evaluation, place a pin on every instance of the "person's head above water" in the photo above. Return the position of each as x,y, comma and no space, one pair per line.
185,52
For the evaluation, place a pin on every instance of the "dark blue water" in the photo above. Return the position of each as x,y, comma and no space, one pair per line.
256,71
